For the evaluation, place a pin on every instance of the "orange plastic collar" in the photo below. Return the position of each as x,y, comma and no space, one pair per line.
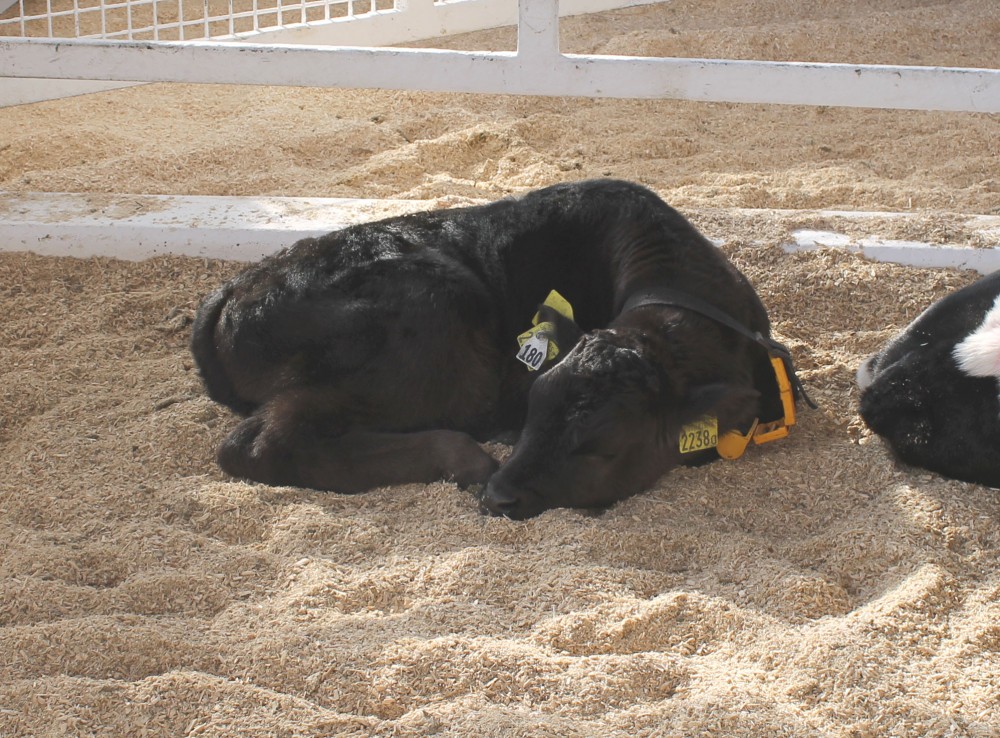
733,444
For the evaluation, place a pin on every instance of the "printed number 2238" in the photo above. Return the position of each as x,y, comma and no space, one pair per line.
699,435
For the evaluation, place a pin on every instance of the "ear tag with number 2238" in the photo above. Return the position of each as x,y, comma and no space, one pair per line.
699,435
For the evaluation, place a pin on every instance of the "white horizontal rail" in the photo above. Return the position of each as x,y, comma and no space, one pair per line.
537,68
537,73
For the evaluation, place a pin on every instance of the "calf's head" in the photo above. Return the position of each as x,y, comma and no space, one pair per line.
935,401
602,425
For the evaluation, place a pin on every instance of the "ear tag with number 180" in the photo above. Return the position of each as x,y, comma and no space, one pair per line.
535,349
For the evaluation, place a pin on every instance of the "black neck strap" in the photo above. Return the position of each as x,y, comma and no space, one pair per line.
678,299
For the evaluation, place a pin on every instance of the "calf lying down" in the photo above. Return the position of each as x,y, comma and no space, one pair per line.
932,392
591,318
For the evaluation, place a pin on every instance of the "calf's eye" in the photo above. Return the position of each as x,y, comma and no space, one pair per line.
592,450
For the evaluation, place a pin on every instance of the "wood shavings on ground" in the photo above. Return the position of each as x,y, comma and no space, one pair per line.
813,587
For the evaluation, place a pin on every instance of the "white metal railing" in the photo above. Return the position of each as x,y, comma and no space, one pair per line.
537,67
170,20
297,21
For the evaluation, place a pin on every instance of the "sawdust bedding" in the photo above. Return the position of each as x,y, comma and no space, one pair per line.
814,587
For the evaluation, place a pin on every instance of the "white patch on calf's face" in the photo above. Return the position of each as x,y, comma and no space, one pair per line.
978,355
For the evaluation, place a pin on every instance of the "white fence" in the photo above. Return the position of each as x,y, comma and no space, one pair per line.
50,48
300,50
318,23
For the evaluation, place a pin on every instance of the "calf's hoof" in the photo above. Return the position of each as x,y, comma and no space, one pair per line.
463,461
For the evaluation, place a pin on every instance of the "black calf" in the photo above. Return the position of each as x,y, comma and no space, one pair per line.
380,353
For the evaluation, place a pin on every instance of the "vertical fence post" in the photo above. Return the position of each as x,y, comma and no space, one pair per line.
417,7
538,30
419,17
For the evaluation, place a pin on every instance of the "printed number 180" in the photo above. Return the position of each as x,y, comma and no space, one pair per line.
531,355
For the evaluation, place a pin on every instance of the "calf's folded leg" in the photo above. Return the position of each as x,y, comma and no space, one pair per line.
262,450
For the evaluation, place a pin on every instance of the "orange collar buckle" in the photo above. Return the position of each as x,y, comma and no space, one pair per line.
733,444
767,432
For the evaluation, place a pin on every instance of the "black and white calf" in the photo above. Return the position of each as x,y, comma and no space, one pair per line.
933,392
382,353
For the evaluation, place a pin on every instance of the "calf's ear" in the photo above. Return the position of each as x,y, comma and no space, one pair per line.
732,404
978,355
567,332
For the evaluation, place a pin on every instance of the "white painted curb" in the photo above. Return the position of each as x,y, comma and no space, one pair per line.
248,228
141,226
911,253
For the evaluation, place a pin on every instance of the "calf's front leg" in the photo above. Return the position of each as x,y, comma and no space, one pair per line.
278,451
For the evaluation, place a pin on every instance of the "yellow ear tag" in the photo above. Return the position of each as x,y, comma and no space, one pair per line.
700,435
558,303
537,344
